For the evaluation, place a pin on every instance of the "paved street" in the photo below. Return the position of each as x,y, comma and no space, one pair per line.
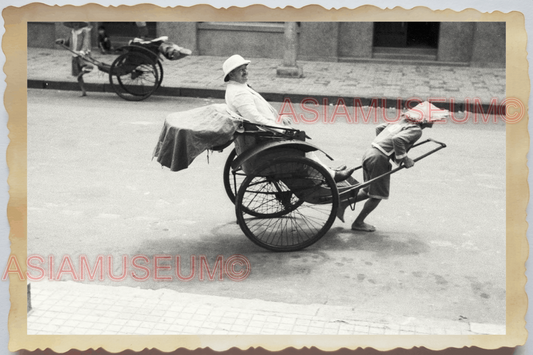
439,252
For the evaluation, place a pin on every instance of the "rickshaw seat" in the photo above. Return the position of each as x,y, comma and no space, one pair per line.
277,148
253,140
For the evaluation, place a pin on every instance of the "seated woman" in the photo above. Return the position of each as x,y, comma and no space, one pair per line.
250,105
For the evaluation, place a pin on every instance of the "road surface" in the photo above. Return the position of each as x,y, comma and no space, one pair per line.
438,252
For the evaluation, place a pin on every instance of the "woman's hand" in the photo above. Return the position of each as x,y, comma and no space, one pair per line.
60,41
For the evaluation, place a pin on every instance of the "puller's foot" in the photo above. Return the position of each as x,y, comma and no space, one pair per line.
363,227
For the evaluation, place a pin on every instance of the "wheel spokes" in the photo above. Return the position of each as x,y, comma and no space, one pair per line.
287,204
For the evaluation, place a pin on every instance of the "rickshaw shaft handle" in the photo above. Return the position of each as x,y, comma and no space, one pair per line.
441,146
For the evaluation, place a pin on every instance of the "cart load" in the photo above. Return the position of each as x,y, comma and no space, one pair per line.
161,45
187,134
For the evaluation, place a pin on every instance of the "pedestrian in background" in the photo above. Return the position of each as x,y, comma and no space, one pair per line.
79,41
143,29
103,40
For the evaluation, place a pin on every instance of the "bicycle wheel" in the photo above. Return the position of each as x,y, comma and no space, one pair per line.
288,204
134,76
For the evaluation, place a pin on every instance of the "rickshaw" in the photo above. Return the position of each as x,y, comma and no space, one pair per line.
138,71
285,201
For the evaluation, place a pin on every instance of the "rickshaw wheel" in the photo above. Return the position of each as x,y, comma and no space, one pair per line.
231,183
134,76
294,201
160,72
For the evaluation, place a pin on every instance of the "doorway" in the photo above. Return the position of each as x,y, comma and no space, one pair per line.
406,34
120,33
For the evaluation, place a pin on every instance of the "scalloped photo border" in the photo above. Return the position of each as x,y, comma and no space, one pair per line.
517,145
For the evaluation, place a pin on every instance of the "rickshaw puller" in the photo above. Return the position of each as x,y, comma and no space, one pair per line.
79,42
392,142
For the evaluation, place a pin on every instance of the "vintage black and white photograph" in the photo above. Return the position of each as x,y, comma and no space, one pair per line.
266,178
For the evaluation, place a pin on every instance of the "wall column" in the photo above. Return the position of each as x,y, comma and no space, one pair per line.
290,68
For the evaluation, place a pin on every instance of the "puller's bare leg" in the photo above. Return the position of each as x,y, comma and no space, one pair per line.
369,206
81,83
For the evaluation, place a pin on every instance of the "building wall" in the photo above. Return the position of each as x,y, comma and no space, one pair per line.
44,34
455,41
489,44
471,43
355,39
318,41
247,39
476,43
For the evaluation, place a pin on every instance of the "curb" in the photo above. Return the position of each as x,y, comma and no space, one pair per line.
377,102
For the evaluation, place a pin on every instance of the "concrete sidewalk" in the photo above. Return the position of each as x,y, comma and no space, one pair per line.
75,308
201,76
